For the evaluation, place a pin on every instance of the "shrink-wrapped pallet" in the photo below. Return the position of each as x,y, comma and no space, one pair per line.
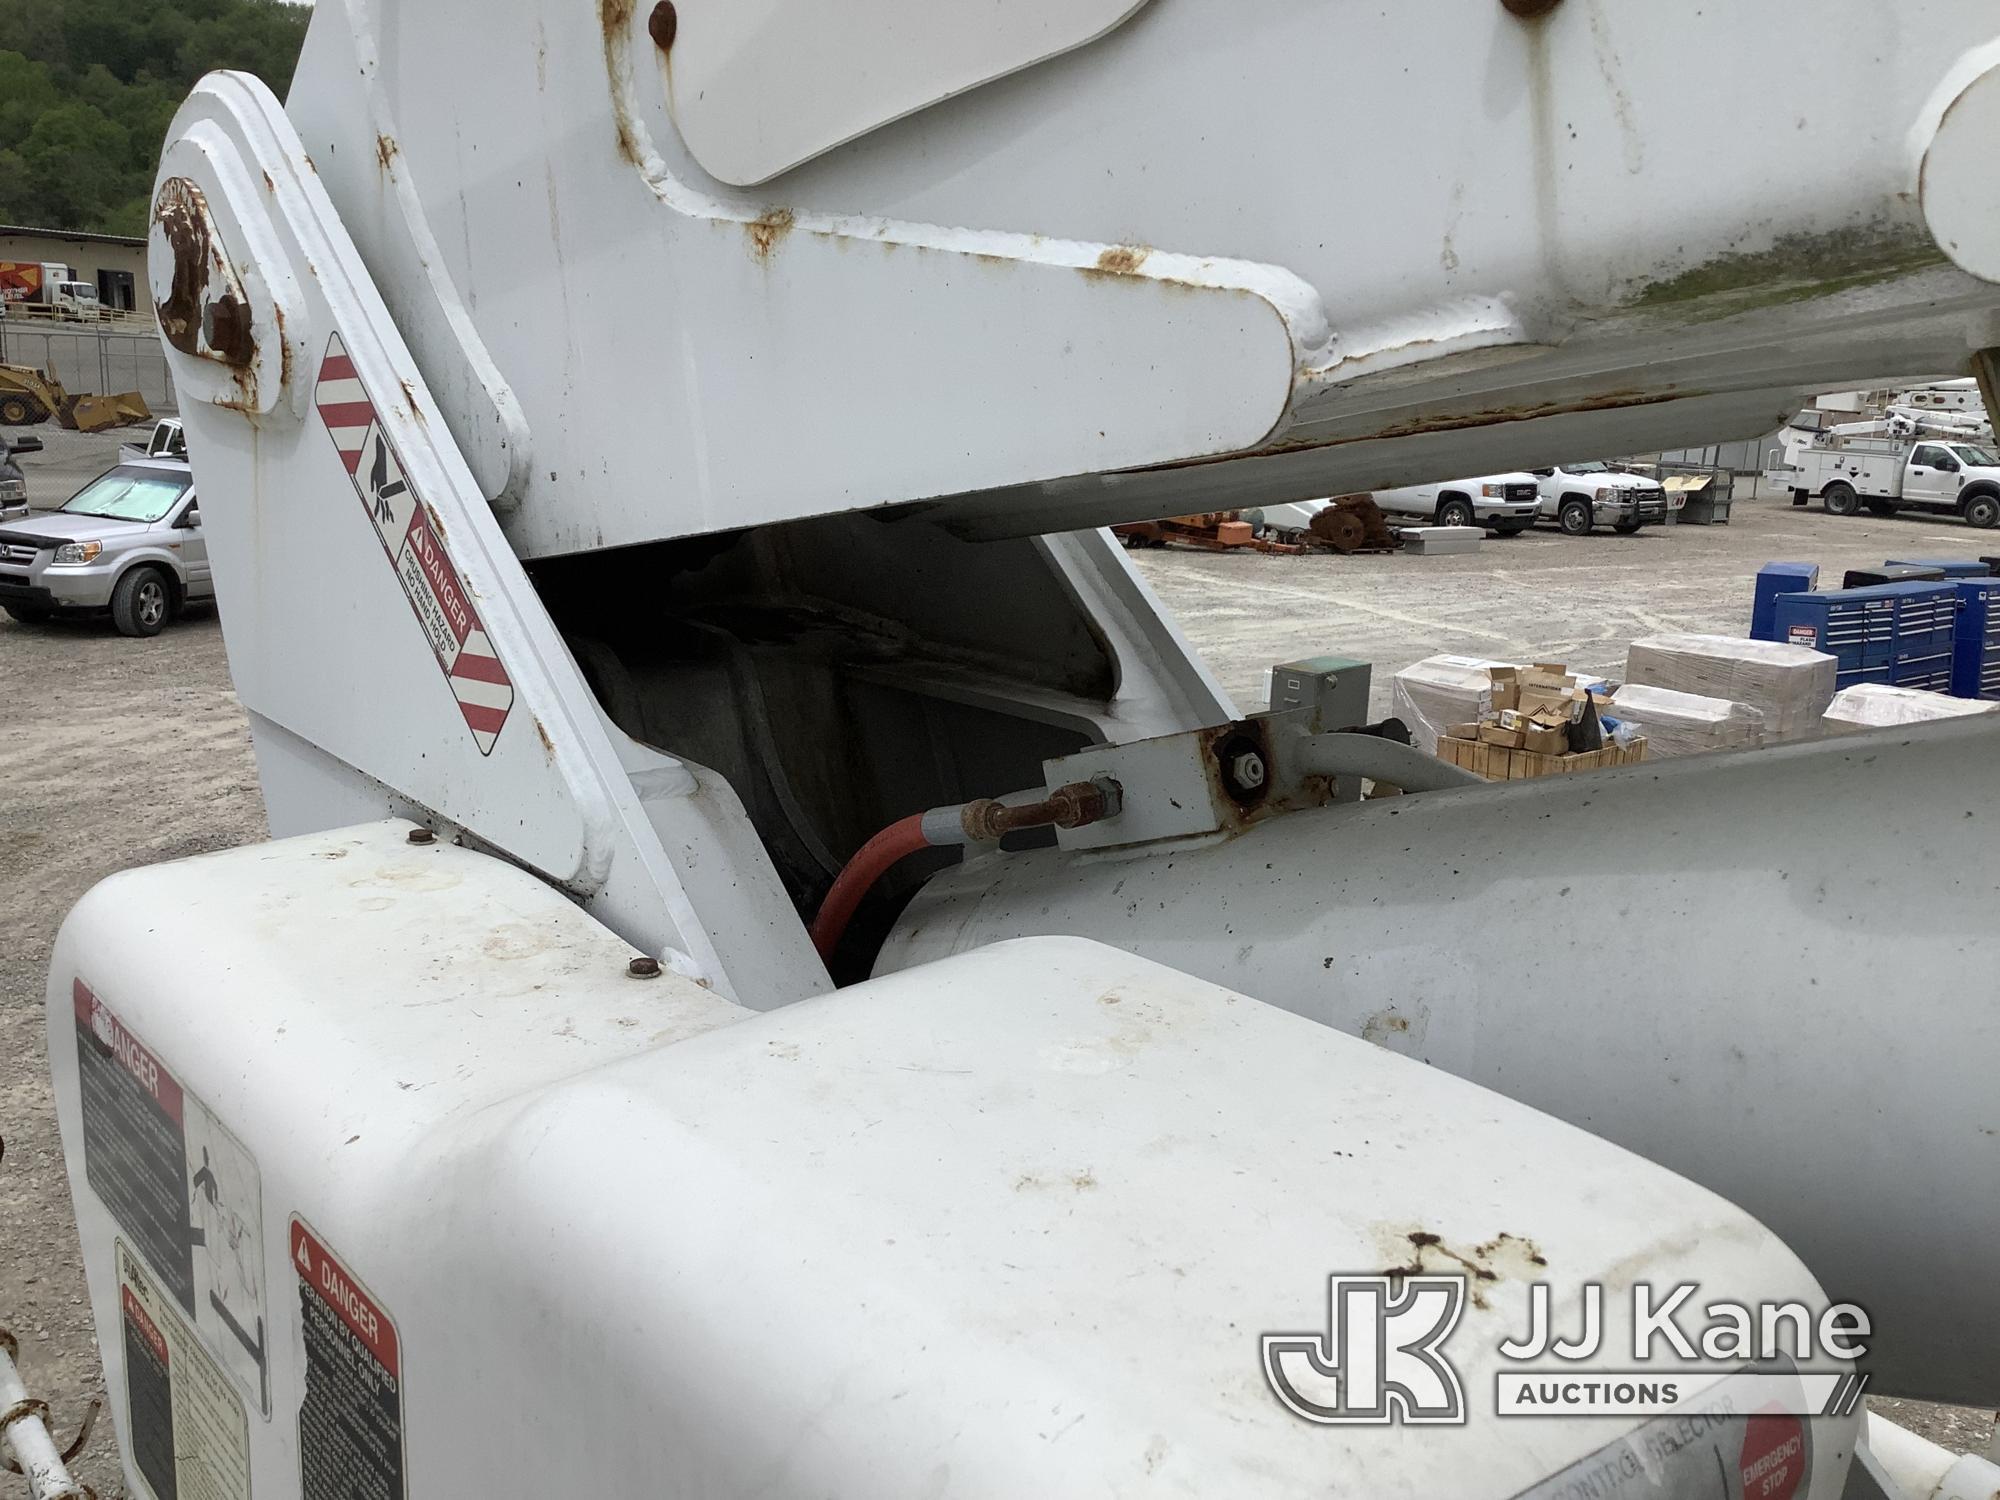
1877,705
1439,691
1677,723
1790,685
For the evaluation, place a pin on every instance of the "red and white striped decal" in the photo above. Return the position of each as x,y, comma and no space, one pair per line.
402,522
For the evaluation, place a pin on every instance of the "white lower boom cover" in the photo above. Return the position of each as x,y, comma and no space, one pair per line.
391,1180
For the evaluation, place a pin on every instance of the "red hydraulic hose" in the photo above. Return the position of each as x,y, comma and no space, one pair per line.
984,821
901,838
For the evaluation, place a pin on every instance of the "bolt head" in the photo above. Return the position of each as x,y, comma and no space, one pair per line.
422,836
643,967
1248,770
1528,10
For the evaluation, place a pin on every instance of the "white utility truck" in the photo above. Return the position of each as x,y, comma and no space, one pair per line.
1887,474
1580,496
779,972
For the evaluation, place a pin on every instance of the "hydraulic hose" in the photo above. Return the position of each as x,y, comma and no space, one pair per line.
980,822
1378,759
871,862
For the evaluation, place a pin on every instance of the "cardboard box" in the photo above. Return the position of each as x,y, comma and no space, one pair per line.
1498,734
1506,687
1546,739
1462,731
1676,723
1440,691
1790,685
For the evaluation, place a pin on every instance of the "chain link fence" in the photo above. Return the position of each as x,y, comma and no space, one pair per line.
103,361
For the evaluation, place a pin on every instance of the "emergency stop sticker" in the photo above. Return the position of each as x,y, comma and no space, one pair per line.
415,550
351,1422
1709,1452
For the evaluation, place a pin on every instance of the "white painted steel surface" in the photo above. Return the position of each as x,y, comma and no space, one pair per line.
1008,1225
843,70
1152,275
1058,296
1768,970
335,643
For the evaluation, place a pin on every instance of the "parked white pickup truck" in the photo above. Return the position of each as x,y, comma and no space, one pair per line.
1578,497
1504,503
1885,474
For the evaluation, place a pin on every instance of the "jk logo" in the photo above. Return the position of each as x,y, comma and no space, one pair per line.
1378,1361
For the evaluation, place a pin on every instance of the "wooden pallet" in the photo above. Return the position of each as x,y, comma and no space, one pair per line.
1503,763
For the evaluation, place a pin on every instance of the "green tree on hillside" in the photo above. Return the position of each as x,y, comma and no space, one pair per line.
87,88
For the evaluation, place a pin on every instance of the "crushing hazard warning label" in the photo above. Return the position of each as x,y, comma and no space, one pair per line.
182,1188
351,1424
186,1432
409,537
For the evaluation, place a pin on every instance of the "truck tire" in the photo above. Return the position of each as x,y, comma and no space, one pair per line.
1983,511
1455,510
142,602
19,411
1840,499
1575,516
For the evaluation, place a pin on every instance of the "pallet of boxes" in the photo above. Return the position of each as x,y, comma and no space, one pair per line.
1539,721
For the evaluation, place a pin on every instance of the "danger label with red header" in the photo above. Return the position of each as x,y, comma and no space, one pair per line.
185,1191
351,1422
416,551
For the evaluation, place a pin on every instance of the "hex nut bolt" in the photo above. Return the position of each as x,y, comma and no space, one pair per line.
1247,770
643,967
422,836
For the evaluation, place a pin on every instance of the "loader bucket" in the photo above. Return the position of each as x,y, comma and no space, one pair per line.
92,413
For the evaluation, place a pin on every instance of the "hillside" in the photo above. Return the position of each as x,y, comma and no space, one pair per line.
87,88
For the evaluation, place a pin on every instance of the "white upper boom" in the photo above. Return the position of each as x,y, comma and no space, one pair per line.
1054,265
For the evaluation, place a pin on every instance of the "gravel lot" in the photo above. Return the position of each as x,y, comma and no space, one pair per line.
121,752
1540,596
116,752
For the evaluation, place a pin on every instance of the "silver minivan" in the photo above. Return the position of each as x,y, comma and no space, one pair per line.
129,542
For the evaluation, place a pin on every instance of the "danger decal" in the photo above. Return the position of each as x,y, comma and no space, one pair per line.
411,542
185,1191
185,1429
351,1422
